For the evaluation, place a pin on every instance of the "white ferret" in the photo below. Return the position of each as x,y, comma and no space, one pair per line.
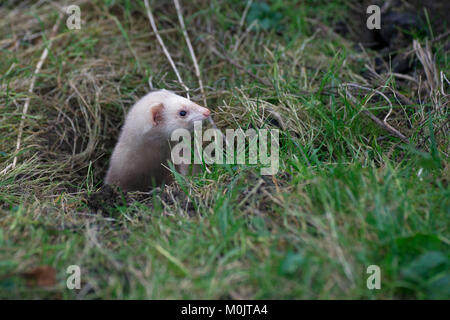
138,159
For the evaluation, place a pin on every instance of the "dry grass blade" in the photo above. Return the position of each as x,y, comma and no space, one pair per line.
31,88
382,124
426,59
191,50
193,57
240,67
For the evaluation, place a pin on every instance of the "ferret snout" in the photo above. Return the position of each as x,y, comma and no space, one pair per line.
200,113
206,112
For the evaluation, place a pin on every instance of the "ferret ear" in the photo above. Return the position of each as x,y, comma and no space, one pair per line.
156,113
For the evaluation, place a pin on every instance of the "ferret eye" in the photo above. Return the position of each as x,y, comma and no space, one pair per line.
183,113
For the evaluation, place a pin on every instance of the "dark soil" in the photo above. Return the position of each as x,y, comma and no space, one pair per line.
401,21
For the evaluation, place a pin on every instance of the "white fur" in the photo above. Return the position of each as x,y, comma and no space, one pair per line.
143,147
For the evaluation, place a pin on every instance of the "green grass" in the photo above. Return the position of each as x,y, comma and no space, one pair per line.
348,194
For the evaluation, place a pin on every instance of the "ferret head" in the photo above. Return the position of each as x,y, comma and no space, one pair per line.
169,111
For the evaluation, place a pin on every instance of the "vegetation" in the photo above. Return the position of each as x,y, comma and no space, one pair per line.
350,192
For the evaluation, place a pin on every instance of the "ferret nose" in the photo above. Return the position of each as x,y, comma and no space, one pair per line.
206,113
